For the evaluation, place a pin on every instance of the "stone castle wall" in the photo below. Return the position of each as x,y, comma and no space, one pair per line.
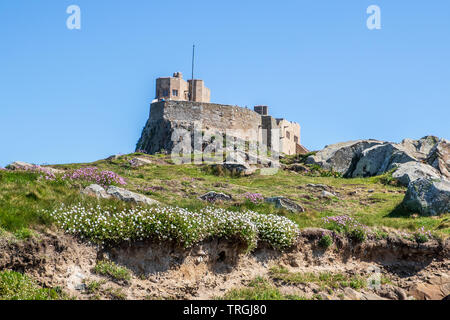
242,123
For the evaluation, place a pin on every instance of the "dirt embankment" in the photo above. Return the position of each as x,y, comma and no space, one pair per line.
208,270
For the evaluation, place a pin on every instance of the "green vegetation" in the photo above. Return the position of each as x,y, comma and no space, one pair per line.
326,241
16,286
112,270
109,226
259,289
27,197
325,280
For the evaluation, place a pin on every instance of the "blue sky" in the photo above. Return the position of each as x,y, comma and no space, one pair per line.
81,95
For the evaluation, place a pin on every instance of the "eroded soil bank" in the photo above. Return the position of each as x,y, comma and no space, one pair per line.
167,271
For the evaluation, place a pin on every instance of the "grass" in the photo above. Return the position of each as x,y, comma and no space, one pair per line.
24,195
325,280
16,286
259,289
112,270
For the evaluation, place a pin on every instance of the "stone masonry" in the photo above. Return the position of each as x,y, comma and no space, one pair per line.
176,113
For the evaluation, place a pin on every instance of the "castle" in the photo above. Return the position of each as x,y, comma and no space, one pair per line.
181,105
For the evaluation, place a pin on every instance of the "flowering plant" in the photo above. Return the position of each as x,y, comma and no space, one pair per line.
254,197
107,226
347,225
103,178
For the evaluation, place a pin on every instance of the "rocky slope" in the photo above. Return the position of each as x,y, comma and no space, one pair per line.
422,165
209,270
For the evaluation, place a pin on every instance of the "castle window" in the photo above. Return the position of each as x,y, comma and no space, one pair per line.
288,135
296,139
175,93
165,93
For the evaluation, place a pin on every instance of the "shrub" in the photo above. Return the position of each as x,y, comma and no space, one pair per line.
106,226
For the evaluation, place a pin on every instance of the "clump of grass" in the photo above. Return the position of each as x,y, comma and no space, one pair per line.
326,241
112,270
24,234
324,280
107,226
94,286
259,289
16,286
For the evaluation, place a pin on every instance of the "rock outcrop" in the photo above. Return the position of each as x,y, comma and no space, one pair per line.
411,171
422,165
342,157
428,197
366,158
439,157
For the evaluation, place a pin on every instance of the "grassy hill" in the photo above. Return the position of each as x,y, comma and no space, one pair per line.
27,197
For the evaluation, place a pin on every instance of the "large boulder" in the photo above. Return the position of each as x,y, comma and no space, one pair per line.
411,171
382,158
342,157
366,158
439,157
420,148
285,203
428,197
128,196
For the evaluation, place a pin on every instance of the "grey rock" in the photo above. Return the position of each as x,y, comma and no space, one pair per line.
428,197
411,171
96,191
380,159
113,157
341,157
213,196
439,157
351,294
139,162
240,168
285,203
372,296
327,195
128,196
20,165
366,158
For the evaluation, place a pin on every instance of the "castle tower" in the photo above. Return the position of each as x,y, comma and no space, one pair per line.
176,89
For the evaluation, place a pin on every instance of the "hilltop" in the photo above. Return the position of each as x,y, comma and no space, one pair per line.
303,233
